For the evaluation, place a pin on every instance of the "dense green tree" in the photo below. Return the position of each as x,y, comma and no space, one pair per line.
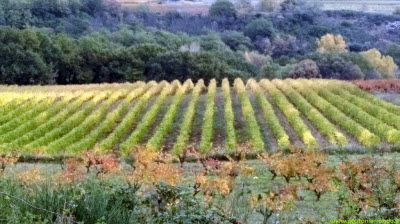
145,52
337,67
50,9
393,50
69,63
15,13
236,40
108,62
26,56
305,69
259,28
183,65
364,64
222,8
272,70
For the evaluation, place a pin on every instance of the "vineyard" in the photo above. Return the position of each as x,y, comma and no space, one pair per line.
207,117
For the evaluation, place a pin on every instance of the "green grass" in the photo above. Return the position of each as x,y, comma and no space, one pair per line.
307,209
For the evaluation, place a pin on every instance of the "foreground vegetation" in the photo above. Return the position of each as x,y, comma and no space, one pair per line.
293,186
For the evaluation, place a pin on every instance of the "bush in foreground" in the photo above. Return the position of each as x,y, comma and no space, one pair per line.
96,189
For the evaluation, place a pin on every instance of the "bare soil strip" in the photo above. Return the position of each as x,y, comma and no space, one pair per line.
294,139
322,141
241,132
160,115
269,140
173,134
149,103
218,142
195,134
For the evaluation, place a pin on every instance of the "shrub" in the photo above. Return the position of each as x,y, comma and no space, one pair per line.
256,59
236,40
212,41
145,52
393,50
383,64
105,201
272,70
284,45
259,28
263,45
305,69
336,67
318,31
364,64
331,44
222,8
173,65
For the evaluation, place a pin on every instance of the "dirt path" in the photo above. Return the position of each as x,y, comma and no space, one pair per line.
149,103
294,138
241,132
173,133
160,115
195,134
269,140
322,141
218,142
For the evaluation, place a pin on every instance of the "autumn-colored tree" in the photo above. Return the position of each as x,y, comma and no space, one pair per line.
275,201
221,177
330,43
256,58
383,64
103,164
309,164
313,166
30,176
151,167
7,160
290,165
72,170
357,177
305,69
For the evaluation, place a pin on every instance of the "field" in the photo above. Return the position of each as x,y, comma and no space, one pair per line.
263,116
357,175
375,6
201,7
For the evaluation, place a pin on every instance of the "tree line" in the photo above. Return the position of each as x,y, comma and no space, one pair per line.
95,41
